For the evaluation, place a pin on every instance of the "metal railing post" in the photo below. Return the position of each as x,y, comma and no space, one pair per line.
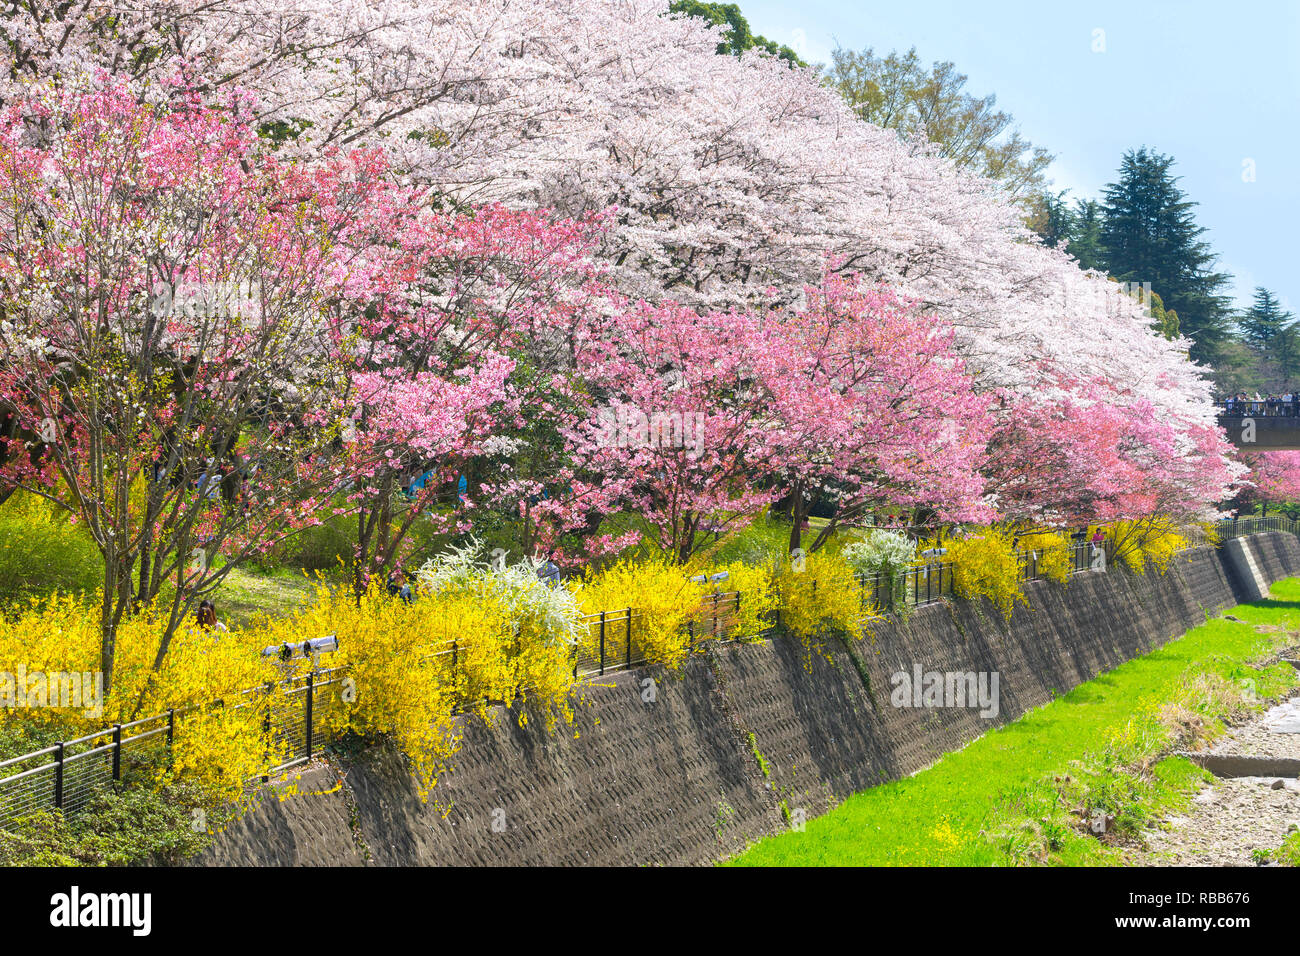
266,731
629,637
58,776
602,643
117,751
311,693
171,737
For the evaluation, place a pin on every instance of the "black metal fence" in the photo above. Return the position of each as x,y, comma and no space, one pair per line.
609,644
1083,556
912,587
1240,527
66,775
613,638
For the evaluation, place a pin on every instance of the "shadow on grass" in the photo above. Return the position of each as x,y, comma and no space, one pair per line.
1271,604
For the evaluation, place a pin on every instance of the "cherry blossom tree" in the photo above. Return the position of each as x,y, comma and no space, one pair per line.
177,336
467,365
1274,479
682,422
873,408
733,180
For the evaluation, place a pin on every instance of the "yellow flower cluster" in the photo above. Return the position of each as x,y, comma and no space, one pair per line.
1054,554
986,566
819,596
1135,543
411,668
758,598
663,599
222,748
409,671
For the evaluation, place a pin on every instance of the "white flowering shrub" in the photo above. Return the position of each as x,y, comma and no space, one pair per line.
552,612
887,551
884,552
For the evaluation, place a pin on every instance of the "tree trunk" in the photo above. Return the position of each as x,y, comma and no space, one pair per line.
107,643
798,512
687,542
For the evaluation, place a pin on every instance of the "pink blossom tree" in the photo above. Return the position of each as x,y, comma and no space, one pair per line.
682,422
467,368
733,177
1274,479
177,349
873,408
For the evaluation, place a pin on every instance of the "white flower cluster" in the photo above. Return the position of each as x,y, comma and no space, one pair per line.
879,550
553,610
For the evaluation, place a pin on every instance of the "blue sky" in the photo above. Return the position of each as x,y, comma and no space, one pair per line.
1214,84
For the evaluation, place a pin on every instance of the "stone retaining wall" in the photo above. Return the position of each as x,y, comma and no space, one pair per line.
689,767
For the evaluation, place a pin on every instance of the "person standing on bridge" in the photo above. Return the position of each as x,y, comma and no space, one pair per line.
1098,539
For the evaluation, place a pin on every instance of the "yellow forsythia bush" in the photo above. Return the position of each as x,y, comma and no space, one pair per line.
397,682
986,566
473,636
527,630
1153,539
400,680
61,635
757,602
819,595
1055,561
664,601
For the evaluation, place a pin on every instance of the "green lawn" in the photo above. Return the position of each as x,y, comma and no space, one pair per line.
1007,797
246,595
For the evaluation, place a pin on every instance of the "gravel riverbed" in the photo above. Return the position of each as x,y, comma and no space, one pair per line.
1231,817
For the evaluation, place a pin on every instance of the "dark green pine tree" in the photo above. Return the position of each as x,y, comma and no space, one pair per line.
1149,234
1085,233
1262,323
1052,220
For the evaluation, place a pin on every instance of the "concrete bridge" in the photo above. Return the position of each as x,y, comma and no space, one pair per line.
1262,426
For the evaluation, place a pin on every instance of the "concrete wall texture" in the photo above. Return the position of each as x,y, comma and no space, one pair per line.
674,776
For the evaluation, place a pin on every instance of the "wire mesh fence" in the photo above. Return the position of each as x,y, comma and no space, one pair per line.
67,775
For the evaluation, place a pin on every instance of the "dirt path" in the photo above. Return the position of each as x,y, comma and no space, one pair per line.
1234,816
